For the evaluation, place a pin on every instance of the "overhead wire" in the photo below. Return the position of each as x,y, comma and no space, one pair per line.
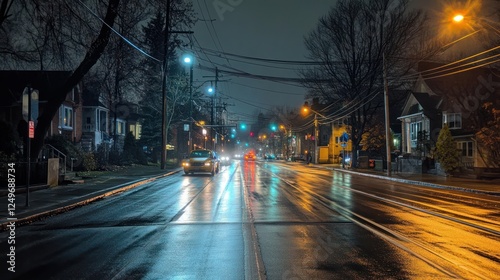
215,31
251,63
442,68
239,73
119,34
263,89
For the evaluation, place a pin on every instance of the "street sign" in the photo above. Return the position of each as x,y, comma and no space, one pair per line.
30,101
344,137
34,105
26,103
186,127
31,129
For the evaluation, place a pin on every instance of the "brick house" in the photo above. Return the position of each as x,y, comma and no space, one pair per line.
68,121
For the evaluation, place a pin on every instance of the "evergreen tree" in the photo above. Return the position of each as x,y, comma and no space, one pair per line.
446,150
152,75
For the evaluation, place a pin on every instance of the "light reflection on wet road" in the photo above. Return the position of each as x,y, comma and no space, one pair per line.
269,220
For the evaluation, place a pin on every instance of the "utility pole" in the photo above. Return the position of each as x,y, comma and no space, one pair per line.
214,133
164,90
387,118
212,110
190,107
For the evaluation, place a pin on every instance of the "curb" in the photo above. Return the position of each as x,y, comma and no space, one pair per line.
91,198
418,183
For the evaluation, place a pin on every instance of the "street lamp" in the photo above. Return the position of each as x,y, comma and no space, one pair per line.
188,60
458,18
305,109
479,21
204,132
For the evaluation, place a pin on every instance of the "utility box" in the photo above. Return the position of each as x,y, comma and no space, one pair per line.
53,172
323,154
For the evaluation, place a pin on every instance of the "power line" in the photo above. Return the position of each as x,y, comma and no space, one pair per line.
120,35
263,89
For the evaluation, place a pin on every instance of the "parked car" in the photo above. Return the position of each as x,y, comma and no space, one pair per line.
201,161
269,156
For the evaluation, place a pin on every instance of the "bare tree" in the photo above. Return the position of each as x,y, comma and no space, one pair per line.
92,54
5,6
350,44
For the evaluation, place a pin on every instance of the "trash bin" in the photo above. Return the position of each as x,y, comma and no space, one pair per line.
371,163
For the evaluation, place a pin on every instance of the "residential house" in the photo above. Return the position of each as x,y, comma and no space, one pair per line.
102,126
96,123
67,122
453,97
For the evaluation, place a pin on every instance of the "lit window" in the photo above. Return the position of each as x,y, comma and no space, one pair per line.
120,128
66,117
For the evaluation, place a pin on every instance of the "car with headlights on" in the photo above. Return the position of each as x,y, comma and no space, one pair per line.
201,161
224,159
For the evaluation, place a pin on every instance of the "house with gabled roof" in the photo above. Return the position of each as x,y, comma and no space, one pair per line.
454,97
105,126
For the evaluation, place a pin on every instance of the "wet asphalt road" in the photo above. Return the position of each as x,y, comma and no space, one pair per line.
266,220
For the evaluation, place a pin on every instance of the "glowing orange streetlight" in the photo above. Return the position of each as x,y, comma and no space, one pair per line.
474,22
458,18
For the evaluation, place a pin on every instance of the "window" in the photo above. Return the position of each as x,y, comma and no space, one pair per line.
120,128
454,120
465,148
66,117
136,130
415,129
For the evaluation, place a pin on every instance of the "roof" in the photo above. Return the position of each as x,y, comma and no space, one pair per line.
440,86
443,79
428,102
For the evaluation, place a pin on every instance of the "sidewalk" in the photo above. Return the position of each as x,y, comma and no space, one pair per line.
490,187
45,201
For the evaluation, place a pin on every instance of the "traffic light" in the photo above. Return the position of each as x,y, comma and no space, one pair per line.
243,126
251,134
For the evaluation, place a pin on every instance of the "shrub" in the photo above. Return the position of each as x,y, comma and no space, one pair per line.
89,162
102,156
114,157
446,151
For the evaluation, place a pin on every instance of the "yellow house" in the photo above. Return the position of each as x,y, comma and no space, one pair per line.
337,145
